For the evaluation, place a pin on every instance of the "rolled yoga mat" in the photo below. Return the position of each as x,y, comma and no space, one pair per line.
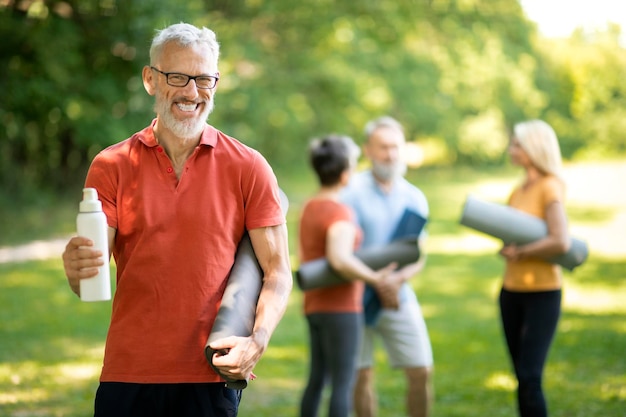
403,249
514,226
318,273
237,311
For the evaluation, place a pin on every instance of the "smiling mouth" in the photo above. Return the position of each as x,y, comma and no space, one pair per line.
187,107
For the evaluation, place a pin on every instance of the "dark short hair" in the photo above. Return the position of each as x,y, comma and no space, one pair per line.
330,156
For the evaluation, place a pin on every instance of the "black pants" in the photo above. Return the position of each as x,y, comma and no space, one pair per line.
529,320
334,339
117,399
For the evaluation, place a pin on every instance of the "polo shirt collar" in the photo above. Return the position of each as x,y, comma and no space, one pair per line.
208,138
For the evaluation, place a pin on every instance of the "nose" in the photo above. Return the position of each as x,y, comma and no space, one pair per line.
190,91
392,154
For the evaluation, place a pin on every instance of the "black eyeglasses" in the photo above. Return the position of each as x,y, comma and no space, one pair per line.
176,79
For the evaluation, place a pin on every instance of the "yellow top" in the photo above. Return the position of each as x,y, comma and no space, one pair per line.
534,274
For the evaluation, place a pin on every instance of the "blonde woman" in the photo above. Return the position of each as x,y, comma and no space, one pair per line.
530,299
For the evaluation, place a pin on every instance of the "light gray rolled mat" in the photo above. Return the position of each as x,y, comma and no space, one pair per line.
237,311
318,273
514,226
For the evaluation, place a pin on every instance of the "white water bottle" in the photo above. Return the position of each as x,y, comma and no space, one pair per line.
91,222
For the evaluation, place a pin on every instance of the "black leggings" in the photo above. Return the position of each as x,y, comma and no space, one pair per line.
529,320
334,339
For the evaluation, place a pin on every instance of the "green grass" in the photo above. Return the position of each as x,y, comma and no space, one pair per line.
51,343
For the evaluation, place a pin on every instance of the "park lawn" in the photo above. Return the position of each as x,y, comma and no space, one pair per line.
51,344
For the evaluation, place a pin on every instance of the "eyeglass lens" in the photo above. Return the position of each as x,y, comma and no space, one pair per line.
181,80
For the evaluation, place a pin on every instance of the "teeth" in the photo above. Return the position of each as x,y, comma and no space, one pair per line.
186,107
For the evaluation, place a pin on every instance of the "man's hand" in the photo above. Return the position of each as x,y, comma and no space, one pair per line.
80,261
388,290
235,357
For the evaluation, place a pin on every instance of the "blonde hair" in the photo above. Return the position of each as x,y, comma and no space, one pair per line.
539,141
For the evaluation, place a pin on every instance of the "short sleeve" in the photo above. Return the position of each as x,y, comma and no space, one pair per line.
553,191
263,207
101,176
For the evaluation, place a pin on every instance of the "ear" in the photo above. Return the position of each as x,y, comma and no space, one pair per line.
344,179
149,82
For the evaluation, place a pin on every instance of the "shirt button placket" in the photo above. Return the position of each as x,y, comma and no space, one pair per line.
169,169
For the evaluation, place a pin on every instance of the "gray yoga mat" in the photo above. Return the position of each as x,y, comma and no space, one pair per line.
514,226
318,273
403,249
237,311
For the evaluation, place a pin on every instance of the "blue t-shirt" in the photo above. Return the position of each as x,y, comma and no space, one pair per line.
379,213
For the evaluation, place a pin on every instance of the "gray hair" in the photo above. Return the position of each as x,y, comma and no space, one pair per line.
384,121
184,34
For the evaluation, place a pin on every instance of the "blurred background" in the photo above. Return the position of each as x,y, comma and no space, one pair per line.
457,73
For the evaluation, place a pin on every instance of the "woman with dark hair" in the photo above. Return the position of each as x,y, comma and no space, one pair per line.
334,314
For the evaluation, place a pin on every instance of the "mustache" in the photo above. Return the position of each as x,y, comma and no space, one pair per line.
187,101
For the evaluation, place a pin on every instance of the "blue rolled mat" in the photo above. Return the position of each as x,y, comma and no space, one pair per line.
514,226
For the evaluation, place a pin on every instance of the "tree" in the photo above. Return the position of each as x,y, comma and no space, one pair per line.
456,73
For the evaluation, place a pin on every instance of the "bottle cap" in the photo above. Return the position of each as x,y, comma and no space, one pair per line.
90,201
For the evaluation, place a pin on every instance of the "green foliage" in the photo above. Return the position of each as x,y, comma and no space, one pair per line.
591,120
405,58
70,85
457,73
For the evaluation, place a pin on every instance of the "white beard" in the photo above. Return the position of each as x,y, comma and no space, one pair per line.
388,172
187,129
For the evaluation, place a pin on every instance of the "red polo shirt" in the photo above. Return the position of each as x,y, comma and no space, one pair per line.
174,247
